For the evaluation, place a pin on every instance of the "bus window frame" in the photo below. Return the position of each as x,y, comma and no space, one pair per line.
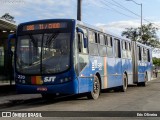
139,53
101,35
129,52
102,45
82,43
109,45
93,42
148,55
117,49
124,49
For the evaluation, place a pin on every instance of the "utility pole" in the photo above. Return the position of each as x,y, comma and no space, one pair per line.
141,16
79,10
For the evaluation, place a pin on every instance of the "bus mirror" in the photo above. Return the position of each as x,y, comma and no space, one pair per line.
79,30
85,42
10,37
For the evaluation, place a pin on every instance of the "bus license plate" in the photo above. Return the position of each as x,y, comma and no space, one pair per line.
42,89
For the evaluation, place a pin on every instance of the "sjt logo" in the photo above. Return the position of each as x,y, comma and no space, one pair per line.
49,79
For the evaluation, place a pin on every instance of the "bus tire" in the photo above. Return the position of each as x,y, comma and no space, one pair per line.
48,96
96,89
125,83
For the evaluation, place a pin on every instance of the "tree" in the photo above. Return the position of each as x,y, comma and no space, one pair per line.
131,33
8,17
149,35
156,61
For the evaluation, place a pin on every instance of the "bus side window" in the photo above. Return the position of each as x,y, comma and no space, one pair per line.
109,46
79,37
101,47
148,56
102,40
129,50
81,48
144,54
96,38
139,53
124,49
117,49
85,50
92,37
129,46
106,37
111,41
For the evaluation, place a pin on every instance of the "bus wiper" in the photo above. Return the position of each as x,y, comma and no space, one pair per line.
53,36
33,41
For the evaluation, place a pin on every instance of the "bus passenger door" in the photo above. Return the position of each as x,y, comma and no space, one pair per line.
118,62
83,62
135,59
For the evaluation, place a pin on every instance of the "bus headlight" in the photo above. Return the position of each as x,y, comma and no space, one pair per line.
65,79
23,82
61,80
20,81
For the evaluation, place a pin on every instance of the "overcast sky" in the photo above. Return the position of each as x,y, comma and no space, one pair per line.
112,15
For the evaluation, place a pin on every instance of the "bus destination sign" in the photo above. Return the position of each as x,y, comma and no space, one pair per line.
44,26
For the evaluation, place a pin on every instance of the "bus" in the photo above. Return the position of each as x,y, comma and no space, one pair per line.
66,56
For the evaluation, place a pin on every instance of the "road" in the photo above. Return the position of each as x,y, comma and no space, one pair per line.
135,99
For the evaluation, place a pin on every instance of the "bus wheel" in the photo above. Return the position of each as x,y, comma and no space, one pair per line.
96,89
48,96
125,83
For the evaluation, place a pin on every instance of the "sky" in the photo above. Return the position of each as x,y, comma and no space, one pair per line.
111,15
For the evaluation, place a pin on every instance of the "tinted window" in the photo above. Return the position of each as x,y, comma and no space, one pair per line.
109,46
144,54
139,53
102,40
124,49
148,52
102,50
109,41
117,49
81,47
93,49
91,37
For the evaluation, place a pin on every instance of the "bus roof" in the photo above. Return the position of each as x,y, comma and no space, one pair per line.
101,30
84,25
108,33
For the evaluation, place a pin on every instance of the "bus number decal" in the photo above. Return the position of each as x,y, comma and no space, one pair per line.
95,65
21,77
100,66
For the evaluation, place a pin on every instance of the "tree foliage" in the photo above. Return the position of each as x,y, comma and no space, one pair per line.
149,35
8,17
156,61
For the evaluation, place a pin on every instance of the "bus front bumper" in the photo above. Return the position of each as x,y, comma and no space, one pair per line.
64,88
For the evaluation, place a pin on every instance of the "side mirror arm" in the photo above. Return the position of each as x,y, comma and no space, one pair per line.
10,36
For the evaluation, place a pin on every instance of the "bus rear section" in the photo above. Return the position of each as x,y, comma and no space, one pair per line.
43,59
142,63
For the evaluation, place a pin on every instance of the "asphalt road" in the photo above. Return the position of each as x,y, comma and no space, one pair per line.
135,99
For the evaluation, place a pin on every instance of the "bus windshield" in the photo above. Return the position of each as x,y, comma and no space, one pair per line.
46,53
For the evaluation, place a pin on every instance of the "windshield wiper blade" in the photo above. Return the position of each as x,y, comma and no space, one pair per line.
33,41
53,36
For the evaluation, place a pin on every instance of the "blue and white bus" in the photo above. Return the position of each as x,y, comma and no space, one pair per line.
66,56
